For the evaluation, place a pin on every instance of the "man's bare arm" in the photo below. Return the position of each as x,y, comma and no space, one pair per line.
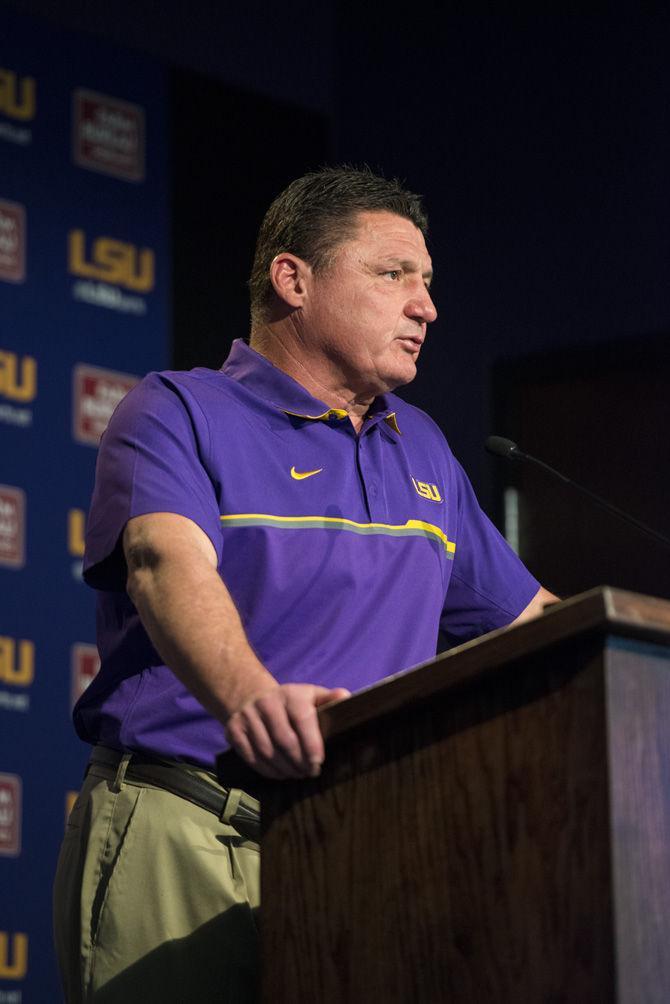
541,599
193,623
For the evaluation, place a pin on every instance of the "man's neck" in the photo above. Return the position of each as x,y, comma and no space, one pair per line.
286,356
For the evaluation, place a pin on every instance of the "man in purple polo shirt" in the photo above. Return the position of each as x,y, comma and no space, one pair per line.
264,539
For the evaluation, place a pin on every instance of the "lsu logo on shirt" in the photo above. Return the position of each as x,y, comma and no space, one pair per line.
427,490
18,377
17,662
112,261
10,815
18,95
13,955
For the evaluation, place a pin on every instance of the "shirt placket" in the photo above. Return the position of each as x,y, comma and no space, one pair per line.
370,471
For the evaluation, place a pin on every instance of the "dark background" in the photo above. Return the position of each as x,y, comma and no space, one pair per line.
542,146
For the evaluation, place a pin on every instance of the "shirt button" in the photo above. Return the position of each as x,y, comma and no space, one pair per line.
374,488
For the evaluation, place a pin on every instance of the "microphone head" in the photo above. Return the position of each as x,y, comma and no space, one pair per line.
501,447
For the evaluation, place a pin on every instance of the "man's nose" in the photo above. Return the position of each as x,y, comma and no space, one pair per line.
420,307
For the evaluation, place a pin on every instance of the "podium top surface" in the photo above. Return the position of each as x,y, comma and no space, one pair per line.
600,612
603,611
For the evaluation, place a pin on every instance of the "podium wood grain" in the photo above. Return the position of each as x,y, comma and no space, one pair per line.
492,827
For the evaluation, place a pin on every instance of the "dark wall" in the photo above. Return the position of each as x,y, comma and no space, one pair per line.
542,146
232,152
601,414
283,53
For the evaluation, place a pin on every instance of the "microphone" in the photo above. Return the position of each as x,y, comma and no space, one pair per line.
501,447
508,450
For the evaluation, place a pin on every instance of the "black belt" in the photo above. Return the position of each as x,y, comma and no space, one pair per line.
231,805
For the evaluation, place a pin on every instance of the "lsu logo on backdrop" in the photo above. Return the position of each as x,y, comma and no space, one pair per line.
96,393
13,957
106,268
18,386
18,95
17,669
12,242
108,135
18,377
85,663
12,527
427,491
70,798
18,103
76,526
118,263
17,662
10,815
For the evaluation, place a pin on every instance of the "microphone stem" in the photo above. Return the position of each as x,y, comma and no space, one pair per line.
596,498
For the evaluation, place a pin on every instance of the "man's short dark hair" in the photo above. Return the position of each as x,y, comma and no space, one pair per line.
316,214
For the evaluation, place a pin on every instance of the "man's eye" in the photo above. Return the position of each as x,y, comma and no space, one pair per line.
395,273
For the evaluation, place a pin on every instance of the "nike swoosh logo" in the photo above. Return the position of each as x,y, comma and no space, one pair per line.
299,475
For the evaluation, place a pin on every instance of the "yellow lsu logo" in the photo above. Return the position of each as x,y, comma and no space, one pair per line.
17,95
14,961
427,491
116,262
17,663
18,376
76,523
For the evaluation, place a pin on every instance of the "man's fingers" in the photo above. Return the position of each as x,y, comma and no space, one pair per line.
330,695
290,719
243,748
242,745
301,712
260,748
278,734
301,704
262,734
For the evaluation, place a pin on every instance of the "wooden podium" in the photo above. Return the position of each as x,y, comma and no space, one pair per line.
493,826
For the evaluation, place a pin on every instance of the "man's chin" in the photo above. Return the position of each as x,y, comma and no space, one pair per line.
386,382
402,375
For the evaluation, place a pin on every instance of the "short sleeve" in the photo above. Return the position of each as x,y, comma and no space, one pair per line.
489,585
152,458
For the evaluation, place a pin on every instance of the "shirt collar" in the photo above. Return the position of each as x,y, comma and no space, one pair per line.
261,377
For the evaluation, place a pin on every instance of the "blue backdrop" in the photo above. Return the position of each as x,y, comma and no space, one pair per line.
84,272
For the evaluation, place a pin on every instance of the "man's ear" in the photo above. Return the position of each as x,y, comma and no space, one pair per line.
288,274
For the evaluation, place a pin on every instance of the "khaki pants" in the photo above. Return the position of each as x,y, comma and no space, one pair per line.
154,900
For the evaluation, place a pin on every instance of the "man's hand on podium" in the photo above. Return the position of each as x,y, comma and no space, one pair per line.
277,730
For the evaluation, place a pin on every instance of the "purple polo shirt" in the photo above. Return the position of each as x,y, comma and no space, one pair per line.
343,552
